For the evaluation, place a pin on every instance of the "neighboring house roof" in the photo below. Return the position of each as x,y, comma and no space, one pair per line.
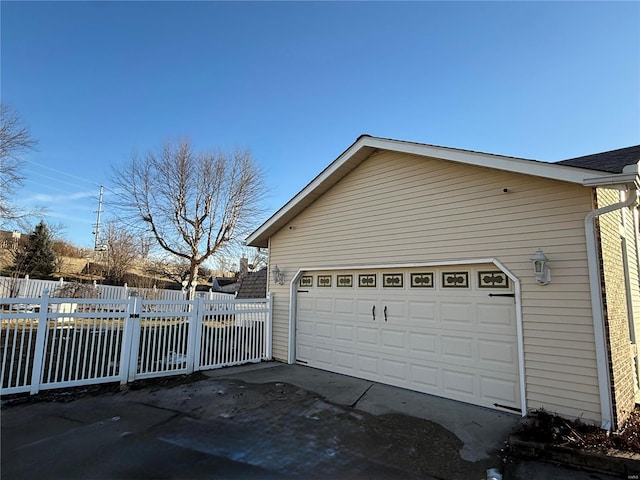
254,285
612,161
229,288
225,285
366,145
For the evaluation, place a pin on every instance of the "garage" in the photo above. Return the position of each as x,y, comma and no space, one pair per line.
449,331
387,266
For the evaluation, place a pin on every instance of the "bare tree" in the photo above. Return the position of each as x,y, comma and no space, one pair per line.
193,203
15,141
257,259
122,251
165,269
224,263
75,290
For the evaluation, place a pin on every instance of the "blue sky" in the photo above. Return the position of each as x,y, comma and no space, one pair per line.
298,82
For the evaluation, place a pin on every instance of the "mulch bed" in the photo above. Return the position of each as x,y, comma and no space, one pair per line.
547,428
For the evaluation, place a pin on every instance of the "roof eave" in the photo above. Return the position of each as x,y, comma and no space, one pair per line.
620,181
365,145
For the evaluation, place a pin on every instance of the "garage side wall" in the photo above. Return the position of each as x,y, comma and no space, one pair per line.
401,209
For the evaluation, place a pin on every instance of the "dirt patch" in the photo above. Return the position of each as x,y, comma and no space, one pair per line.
74,393
425,447
547,428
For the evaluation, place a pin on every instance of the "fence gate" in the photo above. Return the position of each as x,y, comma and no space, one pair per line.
163,333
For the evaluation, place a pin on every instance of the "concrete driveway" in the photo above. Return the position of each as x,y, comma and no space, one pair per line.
264,421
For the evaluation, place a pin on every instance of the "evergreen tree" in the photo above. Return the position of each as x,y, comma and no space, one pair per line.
38,257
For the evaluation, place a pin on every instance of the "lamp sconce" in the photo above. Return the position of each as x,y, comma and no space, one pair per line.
278,276
540,267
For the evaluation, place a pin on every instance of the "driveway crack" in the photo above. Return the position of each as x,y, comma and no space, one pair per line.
353,405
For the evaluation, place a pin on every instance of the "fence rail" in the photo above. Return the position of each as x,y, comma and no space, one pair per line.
29,288
50,343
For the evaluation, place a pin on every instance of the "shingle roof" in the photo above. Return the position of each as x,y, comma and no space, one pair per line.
612,161
254,285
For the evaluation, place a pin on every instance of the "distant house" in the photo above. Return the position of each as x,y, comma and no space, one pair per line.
499,281
9,239
253,285
225,285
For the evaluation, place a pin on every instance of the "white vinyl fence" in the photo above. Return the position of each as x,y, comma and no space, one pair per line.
50,343
29,288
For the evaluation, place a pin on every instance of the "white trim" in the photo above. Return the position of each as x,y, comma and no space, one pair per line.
602,359
511,164
620,181
293,302
314,184
519,333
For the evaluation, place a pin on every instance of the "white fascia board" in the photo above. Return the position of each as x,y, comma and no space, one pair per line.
620,181
314,184
509,164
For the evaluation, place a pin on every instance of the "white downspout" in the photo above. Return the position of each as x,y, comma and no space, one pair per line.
602,361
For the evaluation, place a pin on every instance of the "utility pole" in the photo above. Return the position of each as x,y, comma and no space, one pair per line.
96,232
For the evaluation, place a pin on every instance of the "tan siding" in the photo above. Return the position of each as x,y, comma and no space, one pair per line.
403,209
585,342
576,407
558,330
549,370
555,384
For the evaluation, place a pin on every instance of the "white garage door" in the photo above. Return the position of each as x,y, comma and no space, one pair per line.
446,331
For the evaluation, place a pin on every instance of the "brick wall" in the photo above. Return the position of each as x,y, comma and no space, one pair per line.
616,314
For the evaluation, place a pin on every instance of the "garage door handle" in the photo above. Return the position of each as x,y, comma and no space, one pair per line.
373,313
502,294
385,313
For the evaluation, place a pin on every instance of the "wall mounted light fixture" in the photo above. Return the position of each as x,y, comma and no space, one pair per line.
278,276
540,267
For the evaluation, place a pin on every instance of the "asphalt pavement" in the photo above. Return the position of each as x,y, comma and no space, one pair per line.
262,421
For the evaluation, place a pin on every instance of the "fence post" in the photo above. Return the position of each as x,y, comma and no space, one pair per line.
194,332
127,342
268,327
22,287
135,309
39,349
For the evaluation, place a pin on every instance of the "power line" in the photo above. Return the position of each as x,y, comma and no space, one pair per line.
55,179
62,173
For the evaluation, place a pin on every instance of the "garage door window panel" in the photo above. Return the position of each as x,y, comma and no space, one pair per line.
493,279
422,280
455,279
393,280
